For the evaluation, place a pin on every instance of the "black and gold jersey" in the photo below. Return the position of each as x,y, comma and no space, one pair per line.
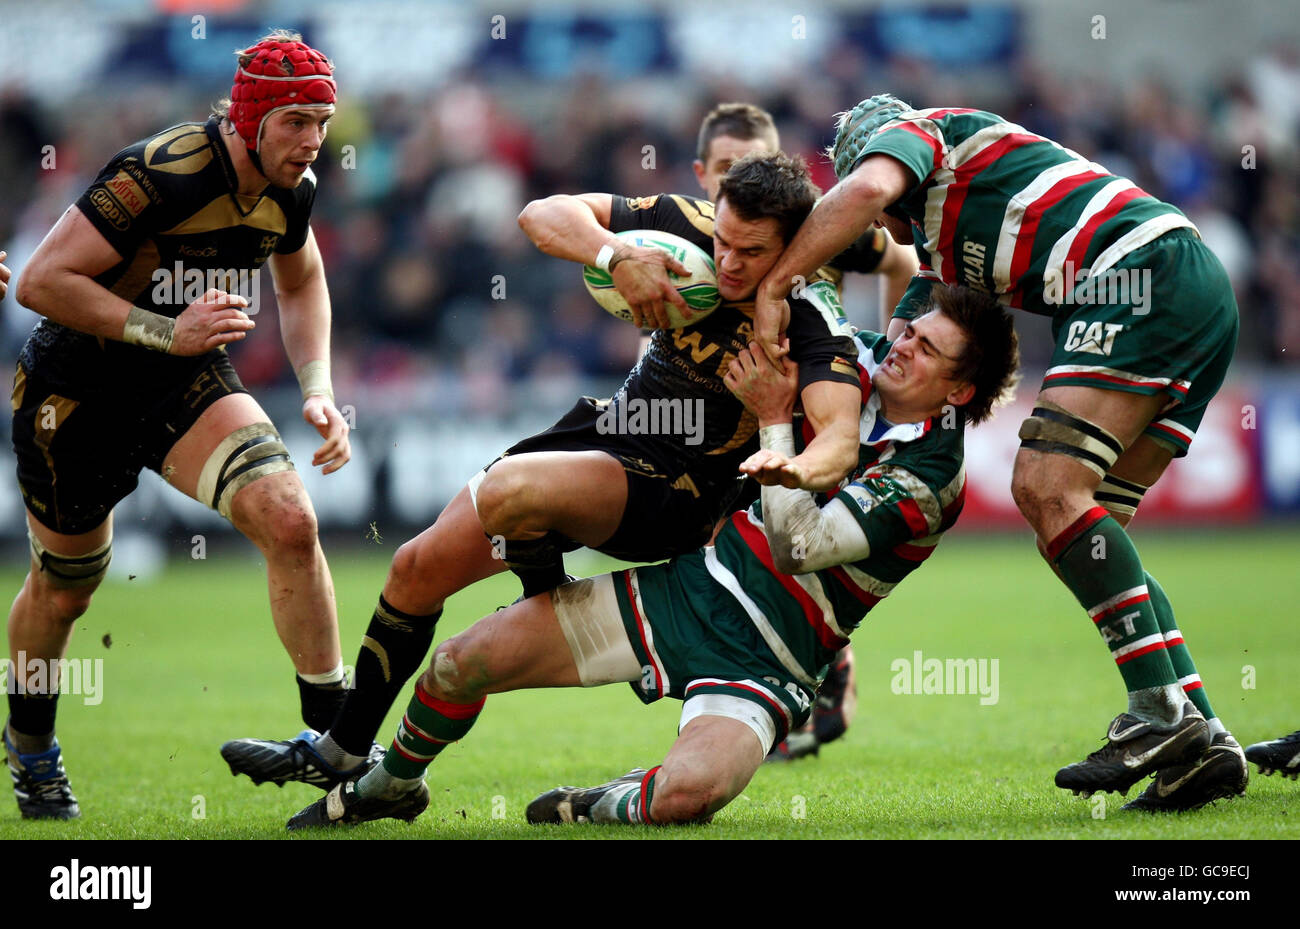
688,364
169,205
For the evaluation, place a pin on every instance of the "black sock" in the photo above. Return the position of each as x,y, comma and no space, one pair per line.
394,647
31,721
321,703
538,563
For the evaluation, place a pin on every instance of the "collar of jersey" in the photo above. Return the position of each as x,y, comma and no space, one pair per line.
212,128
901,432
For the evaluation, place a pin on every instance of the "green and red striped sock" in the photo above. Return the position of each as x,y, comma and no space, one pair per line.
1098,562
429,726
1179,656
627,804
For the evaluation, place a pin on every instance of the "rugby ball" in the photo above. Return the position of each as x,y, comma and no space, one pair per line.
699,288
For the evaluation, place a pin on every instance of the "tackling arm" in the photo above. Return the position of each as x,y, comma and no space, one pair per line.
804,537
842,215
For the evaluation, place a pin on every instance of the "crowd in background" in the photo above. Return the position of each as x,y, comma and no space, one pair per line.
437,292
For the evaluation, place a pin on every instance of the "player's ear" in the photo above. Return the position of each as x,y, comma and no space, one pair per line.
698,167
961,395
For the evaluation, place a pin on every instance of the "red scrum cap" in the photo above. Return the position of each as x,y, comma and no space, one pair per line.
280,74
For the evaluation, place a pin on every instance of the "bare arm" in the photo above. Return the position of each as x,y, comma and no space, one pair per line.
304,301
4,275
575,228
832,409
58,282
842,215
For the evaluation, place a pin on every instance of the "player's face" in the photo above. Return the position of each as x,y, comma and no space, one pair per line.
743,251
916,376
291,140
724,151
899,230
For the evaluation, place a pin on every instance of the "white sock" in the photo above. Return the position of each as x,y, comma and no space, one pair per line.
333,676
1160,706
379,784
605,810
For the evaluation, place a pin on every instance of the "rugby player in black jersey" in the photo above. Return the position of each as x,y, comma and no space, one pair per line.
128,370
588,480
727,133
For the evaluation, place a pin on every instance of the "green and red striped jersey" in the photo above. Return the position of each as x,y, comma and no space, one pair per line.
907,490
1008,212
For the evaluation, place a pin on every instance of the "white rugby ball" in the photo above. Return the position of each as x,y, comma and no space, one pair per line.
699,288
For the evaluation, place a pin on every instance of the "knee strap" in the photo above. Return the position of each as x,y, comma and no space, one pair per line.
245,455
1055,430
69,572
1120,496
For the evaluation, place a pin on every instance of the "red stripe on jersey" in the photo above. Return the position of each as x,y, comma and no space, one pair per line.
1140,652
913,516
1084,238
954,111
1071,532
865,596
1021,257
917,553
1099,376
640,628
925,137
757,542
955,196
1123,604
449,710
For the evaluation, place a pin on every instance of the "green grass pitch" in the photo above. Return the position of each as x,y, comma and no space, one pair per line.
194,661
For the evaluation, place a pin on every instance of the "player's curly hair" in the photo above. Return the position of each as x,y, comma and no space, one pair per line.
992,352
770,184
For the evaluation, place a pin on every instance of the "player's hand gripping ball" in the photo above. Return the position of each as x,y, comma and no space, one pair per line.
699,288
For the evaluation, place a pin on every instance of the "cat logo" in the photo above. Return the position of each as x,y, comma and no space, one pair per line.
109,208
1094,338
183,150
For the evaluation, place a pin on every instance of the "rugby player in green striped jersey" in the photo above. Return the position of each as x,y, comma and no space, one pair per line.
741,629
1145,323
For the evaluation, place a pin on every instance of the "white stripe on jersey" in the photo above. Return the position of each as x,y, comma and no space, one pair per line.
1015,214
1100,200
644,622
1141,235
719,572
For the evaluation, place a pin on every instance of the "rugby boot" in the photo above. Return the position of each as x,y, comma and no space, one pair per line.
1135,749
1220,772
